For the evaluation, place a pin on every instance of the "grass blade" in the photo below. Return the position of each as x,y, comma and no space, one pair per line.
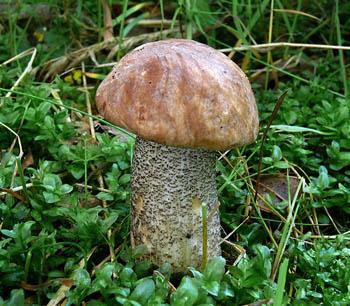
205,235
21,175
282,275
121,30
341,58
287,229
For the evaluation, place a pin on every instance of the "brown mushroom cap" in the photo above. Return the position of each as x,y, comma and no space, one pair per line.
180,93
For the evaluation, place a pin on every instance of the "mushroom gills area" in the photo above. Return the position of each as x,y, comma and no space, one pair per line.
168,185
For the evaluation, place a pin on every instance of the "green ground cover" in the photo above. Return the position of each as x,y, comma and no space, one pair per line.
65,173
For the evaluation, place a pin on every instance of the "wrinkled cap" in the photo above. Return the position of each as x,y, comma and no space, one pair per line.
180,93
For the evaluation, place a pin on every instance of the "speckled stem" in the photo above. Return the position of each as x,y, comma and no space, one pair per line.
168,186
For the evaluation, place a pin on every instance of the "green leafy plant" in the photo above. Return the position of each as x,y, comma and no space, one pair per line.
65,172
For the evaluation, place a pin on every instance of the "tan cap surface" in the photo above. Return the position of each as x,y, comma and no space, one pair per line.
180,93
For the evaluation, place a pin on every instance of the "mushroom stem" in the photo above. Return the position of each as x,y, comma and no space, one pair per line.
168,186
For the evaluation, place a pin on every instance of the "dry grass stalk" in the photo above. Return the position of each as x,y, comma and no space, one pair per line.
93,135
60,294
297,13
270,46
91,187
15,189
151,23
73,59
107,20
31,51
225,239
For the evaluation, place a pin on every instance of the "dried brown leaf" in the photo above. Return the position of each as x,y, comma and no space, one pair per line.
28,159
278,186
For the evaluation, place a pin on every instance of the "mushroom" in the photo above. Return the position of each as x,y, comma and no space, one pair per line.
184,100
